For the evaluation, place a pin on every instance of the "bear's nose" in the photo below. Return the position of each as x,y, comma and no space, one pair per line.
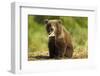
51,34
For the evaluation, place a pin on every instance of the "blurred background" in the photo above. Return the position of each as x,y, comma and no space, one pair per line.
38,38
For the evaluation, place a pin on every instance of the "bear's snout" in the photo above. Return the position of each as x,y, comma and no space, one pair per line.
51,34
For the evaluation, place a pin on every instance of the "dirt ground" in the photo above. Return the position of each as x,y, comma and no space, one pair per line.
44,55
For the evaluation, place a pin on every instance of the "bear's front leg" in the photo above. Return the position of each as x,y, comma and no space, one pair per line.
51,46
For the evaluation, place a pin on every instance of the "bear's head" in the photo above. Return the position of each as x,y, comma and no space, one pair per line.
53,27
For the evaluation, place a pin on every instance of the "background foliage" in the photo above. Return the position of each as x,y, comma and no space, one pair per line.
38,38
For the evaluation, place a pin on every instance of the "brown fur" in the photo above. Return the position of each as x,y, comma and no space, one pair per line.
60,44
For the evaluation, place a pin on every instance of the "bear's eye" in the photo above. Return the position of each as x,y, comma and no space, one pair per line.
49,24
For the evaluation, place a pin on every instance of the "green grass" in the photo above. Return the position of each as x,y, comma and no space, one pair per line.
38,38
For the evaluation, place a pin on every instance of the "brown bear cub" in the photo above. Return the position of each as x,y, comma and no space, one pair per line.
59,44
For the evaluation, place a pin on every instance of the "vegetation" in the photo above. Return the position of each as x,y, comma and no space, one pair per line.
38,38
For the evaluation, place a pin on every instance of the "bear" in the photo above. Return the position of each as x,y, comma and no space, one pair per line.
59,39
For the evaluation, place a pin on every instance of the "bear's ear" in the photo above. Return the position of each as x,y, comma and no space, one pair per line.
59,21
46,21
